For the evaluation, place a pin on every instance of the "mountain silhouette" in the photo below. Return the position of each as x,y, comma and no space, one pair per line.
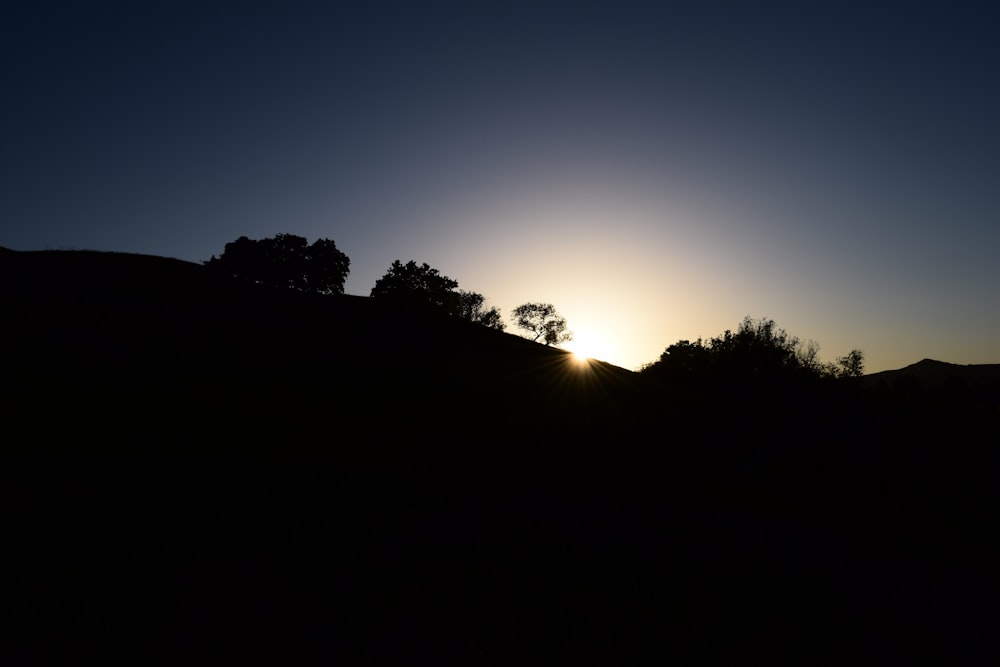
931,373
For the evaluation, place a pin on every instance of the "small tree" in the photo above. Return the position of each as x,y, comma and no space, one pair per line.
542,320
285,260
472,307
850,366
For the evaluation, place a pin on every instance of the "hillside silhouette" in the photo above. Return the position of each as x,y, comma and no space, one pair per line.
218,471
90,330
981,381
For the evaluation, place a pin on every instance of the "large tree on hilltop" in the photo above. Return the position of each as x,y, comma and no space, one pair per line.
285,260
417,284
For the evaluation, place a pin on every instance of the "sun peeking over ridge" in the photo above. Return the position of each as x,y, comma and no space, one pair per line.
592,345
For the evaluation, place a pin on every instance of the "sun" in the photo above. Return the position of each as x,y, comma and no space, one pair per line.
591,345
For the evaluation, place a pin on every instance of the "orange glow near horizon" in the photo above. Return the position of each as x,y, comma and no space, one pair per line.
592,345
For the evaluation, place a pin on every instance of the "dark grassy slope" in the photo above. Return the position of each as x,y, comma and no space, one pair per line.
89,326
216,474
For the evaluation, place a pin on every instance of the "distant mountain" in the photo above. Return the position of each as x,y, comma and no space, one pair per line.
931,374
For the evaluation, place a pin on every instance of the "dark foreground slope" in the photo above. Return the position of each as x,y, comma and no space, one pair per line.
153,354
209,473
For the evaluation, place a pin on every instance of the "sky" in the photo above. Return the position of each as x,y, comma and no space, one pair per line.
657,171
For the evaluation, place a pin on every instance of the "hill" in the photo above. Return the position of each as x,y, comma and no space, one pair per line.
931,374
211,472
121,329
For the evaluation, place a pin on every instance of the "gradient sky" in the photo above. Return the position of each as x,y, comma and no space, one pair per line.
655,170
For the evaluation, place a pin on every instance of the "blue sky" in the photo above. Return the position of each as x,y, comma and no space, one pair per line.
655,170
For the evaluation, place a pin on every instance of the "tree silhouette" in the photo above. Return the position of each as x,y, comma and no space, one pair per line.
683,361
328,267
471,307
414,284
423,286
757,351
285,260
850,366
542,320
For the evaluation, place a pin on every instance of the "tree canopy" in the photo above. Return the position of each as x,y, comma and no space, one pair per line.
852,365
542,322
285,260
424,286
472,308
414,284
757,351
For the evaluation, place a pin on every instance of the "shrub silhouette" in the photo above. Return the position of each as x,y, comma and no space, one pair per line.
285,260
757,352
